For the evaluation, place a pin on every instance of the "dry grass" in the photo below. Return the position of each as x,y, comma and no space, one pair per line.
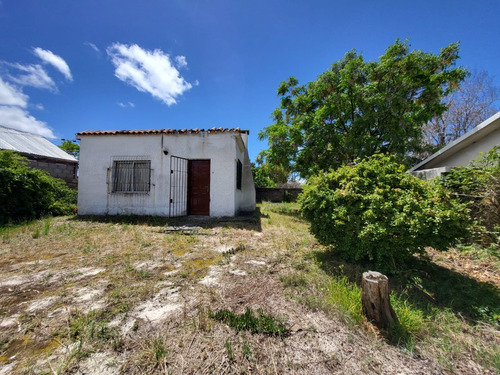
118,295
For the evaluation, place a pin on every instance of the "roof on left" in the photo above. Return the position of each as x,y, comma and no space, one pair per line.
32,144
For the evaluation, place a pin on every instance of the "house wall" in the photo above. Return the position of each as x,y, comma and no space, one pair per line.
62,170
469,153
98,152
245,198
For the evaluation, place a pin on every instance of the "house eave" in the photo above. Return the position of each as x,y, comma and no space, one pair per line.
486,127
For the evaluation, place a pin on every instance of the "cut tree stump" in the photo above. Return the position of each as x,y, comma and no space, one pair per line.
375,300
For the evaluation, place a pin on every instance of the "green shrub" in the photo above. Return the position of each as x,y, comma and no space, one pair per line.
374,211
27,194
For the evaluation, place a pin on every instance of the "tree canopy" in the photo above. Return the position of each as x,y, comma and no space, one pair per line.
71,148
357,108
468,106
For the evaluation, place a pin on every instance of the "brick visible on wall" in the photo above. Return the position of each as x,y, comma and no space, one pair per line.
277,194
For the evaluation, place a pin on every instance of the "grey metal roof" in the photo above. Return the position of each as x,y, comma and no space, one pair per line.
32,144
482,130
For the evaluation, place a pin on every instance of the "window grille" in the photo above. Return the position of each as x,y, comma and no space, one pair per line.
238,174
132,176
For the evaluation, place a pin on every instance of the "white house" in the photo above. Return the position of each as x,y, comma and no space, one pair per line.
462,150
165,172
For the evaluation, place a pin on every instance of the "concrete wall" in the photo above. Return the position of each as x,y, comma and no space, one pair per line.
97,154
277,194
244,198
65,171
460,158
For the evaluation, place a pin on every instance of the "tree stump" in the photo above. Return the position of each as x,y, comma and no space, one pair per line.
375,300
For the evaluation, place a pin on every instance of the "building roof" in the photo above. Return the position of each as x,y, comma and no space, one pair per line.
31,144
482,130
162,131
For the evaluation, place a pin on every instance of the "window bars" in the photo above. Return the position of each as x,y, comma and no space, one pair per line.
131,176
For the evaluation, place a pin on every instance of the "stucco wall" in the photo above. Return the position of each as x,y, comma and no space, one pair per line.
469,153
244,198
98,152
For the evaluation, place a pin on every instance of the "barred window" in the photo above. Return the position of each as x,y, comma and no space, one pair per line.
132,176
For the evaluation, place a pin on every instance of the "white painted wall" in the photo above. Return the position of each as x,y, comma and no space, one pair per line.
98,152
244,198
469,153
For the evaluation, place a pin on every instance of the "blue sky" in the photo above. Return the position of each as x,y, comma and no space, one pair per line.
70,66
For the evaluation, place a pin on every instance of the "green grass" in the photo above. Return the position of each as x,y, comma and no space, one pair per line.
440,311
260,323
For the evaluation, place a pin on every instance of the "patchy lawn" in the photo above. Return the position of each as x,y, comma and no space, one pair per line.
259,295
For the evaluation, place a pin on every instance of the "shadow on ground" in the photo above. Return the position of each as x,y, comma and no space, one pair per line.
428,286
248,222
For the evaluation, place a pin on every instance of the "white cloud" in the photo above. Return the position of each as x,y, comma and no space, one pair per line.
93,46
148,71
18,118
40,107
125,105
56,61
9,95
34,76
181,61
14,115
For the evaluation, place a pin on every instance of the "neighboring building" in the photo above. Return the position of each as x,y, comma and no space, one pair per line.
41,153
462,150
165,172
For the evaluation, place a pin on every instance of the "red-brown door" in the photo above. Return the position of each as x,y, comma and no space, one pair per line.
199,187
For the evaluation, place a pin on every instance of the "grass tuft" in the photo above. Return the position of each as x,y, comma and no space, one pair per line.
262,323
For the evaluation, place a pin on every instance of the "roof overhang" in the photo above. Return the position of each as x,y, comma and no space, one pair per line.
482,130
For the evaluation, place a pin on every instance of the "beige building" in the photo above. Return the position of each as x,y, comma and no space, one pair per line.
461,151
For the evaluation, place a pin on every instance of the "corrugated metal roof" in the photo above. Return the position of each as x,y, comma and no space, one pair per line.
162,131
32,144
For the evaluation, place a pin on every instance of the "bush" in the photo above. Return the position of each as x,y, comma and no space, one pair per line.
27,194
478,185
374,211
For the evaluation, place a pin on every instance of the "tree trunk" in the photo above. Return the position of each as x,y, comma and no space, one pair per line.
375,300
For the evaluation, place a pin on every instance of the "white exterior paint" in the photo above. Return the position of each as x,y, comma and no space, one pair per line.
97,153
463,150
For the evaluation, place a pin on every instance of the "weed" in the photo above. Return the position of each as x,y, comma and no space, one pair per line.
143,274
159,350
46,227
146,244
262,323
229,349
247,351
36,233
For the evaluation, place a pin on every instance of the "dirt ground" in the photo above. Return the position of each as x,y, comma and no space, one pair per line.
96,297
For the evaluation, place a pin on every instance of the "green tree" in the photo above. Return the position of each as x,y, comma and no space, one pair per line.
261,177
71,148
357,108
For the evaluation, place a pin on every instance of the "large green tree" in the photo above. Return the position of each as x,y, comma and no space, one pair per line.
357,108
